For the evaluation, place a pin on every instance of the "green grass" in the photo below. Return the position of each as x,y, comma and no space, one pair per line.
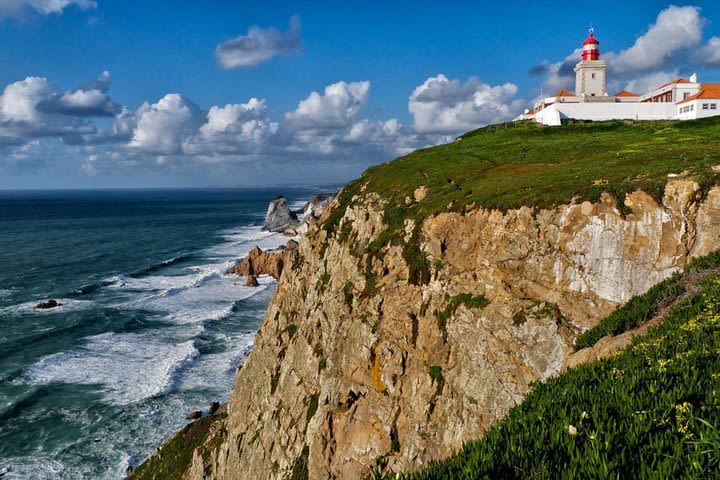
527,164
650,412
176,455
467,299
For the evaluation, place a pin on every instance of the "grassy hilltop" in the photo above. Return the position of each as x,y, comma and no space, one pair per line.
516,164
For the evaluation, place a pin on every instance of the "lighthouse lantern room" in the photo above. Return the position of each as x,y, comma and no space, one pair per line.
590,72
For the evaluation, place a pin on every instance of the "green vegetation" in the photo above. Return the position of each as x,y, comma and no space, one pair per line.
274,379
291,330
652,411
394,440
176,455
525,164
467,299
642,308
324,280
299,469
312,406
435,372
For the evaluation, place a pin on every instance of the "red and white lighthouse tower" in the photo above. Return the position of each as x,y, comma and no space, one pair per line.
590,72
590,47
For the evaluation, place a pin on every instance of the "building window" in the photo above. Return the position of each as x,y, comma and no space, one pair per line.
713,106
692,107
593,75
686,95
705,106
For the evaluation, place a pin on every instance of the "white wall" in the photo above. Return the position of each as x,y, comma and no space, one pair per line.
606,111
697,110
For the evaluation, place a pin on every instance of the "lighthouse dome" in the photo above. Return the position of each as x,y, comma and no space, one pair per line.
591,40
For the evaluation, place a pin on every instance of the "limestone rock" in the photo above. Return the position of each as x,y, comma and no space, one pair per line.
214,407
349,367
252,281
279,217
315,207
420,193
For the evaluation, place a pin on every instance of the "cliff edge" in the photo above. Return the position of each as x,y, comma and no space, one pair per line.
437,288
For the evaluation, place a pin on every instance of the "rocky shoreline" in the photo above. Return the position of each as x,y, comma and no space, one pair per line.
281,219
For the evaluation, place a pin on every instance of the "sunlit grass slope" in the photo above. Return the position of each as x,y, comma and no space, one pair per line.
653,411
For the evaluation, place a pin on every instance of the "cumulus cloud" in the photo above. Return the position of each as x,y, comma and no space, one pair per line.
672,44
259,45
31,108
440,105
336,108
19,8
18,101
162,126
90,100
710,52
650,81
676,30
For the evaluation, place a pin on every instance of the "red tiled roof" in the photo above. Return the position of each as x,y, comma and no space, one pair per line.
707,90
563,93
625,93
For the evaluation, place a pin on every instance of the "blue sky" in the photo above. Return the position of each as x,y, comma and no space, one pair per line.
112,93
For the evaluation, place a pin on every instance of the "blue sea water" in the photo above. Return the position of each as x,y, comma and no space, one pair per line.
150,326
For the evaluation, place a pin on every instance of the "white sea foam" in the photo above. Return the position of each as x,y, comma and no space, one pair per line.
4,292
220,367
129,366
67,305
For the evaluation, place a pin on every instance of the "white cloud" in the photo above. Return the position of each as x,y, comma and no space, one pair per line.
671,45
335,109
18,101
710,52
676,30
440,105
162,126
18,8
259,45
231,117
648,82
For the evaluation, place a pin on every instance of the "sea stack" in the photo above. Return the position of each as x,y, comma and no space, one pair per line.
279,217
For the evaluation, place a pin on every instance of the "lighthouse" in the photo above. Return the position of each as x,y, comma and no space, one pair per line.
590,72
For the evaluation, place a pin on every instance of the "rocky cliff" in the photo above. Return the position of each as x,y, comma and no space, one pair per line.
407,350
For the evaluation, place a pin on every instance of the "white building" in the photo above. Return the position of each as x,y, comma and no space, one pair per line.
680,99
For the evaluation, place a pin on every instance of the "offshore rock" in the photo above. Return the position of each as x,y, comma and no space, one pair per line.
355,362
279,217
52,303
259,263
252,281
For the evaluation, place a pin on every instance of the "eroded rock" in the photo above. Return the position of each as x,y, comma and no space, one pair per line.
349,367
279,217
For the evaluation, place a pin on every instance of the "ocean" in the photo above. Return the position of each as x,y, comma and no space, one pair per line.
150,327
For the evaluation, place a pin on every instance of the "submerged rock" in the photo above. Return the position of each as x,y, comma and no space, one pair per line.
52,303
279,217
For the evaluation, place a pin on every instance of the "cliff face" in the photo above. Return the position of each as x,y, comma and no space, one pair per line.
359,358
